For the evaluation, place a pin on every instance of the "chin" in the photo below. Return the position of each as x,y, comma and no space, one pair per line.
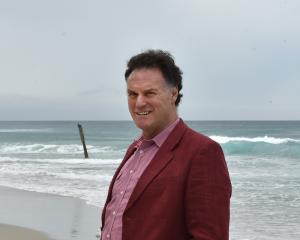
142,123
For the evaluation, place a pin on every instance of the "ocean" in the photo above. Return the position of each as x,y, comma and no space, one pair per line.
263,158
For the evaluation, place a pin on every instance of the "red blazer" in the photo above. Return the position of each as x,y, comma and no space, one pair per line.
183,194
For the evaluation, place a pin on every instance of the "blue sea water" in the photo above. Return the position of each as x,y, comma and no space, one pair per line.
263,158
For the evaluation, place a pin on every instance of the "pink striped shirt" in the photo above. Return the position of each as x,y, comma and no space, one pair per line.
127,179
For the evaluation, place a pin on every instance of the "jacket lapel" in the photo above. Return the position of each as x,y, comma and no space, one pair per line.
157,164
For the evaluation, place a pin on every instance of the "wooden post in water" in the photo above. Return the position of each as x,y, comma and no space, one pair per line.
82,140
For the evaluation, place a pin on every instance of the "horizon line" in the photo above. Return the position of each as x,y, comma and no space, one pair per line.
130,120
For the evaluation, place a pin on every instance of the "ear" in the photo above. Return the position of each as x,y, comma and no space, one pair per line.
174,92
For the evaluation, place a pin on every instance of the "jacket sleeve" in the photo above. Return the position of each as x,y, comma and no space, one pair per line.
207,195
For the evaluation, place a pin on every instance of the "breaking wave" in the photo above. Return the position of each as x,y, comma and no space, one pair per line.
285,147
54,148
265,139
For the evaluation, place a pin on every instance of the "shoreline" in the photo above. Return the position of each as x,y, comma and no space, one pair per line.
11,232
46,216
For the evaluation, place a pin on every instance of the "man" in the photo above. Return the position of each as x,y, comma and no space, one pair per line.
173,183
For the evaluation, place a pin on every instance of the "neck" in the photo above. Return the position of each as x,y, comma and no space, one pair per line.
149,135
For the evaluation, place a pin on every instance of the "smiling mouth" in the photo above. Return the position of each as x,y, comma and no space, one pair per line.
142,113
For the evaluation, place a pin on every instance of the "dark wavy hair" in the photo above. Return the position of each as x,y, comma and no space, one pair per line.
162,60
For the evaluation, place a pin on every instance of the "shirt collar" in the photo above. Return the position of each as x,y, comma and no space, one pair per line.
160,138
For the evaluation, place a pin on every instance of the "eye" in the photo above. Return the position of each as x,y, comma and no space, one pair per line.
131,94
150,94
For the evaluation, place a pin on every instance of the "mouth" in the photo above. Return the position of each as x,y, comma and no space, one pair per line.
142,113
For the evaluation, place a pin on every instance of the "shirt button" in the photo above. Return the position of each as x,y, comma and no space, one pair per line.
122,192
131,171
141,151
108,236
114,212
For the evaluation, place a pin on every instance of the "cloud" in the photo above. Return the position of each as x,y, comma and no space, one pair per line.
236,55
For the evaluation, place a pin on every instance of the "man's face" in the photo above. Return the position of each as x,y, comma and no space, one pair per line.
151,101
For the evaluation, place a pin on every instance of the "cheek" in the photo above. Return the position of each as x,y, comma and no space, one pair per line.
131,108
167,101
130,103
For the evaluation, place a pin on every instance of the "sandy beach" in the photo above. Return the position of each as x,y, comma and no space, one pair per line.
36,216
9,232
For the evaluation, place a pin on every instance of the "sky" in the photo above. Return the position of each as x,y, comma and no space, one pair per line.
65,59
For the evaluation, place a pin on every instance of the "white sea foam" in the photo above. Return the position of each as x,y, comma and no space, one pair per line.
68,176
24,130
88,161
265,139
95,197
87,179
54,148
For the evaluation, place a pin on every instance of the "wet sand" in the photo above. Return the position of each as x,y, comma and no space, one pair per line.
48,215
9,232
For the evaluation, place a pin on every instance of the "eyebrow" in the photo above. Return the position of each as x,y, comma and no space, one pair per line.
151,90
147,90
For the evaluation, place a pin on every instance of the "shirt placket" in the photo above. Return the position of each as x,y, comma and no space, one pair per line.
130,170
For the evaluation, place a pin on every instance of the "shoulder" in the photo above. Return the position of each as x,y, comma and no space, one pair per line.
204,154
195,146
185,139
199,140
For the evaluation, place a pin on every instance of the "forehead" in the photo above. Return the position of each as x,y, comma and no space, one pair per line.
146,77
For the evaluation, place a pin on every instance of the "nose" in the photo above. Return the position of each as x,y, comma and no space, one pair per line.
140,101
